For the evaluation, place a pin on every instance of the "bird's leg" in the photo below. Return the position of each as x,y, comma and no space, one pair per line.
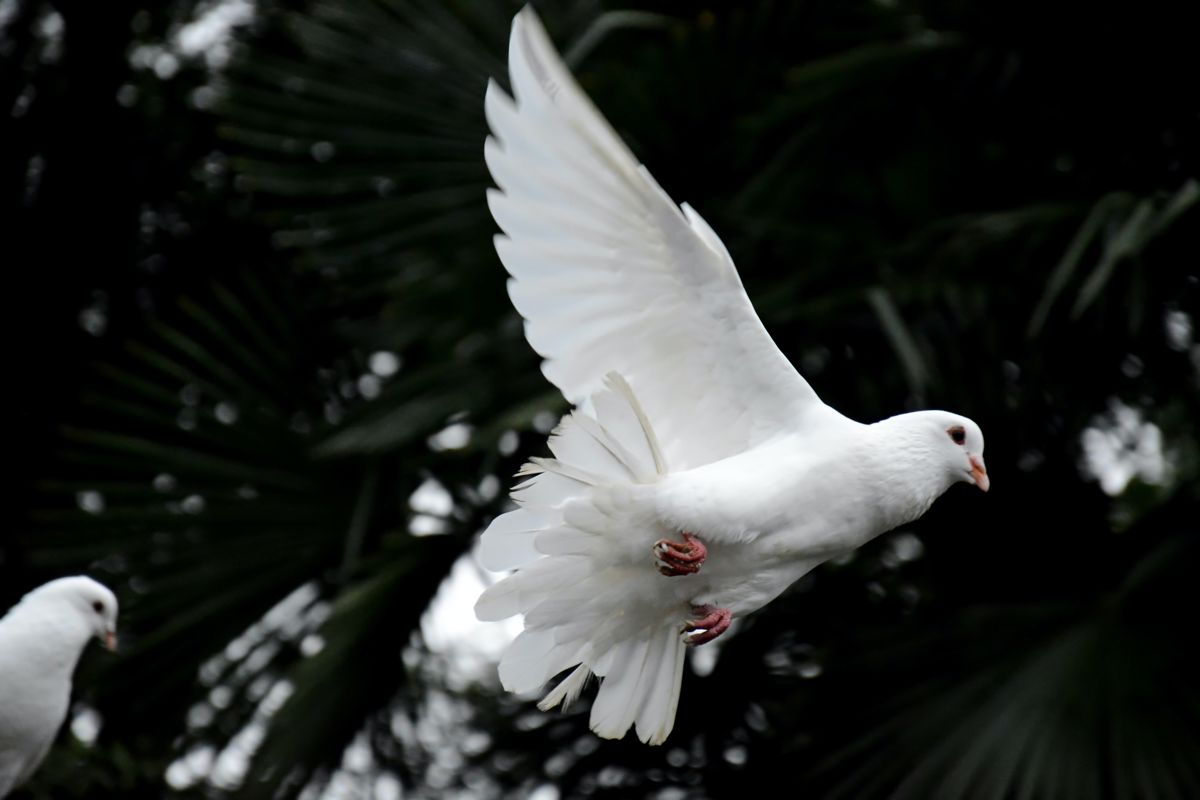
675,558
709,623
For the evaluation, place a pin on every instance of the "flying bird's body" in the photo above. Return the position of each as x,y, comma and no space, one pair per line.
700,475
771,514
41,639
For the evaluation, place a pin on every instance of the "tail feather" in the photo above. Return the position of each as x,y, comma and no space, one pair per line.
571,448
614,708
586,604
519,592
512,538
638,466
587,518
577,474
534,658
568,690
589,600
661,698
566,541
547,490
642,689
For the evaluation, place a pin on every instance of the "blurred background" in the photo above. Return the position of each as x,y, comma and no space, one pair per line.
266,383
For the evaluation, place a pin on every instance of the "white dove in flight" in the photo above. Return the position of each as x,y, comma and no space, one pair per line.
699,475
41,639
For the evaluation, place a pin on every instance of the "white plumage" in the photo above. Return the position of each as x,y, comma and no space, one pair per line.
688,418
41,639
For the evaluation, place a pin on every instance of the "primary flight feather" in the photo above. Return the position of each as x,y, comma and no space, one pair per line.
700,475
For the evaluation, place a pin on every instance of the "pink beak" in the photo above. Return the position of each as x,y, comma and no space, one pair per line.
110,641
979,473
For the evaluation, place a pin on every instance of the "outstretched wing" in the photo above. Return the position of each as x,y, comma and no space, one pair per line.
611,275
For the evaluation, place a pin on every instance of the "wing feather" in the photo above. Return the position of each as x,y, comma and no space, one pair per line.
611,275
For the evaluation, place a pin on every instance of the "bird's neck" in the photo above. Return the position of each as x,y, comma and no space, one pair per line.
910,475
51,640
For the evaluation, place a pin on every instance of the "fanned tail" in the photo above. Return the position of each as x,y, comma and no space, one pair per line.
590,602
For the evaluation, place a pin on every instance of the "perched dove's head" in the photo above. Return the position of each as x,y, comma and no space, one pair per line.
94,604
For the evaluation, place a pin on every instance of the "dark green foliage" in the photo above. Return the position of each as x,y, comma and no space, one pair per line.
987,207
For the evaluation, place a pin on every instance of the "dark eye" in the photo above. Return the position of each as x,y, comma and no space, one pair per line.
958,435
98,607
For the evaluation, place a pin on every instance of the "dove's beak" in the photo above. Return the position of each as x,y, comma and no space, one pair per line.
979,473
110,641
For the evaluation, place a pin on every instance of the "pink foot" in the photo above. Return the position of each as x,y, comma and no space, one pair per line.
673,558
710,622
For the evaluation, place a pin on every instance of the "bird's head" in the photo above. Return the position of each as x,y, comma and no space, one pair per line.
92,601
937,445
957,443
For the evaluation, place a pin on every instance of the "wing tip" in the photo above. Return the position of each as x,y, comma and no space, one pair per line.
526,21
530,45
526,13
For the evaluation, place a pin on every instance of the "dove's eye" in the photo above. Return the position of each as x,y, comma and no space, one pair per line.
958,435
98,607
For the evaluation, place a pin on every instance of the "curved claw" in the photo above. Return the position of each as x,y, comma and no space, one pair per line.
679,558
710,623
